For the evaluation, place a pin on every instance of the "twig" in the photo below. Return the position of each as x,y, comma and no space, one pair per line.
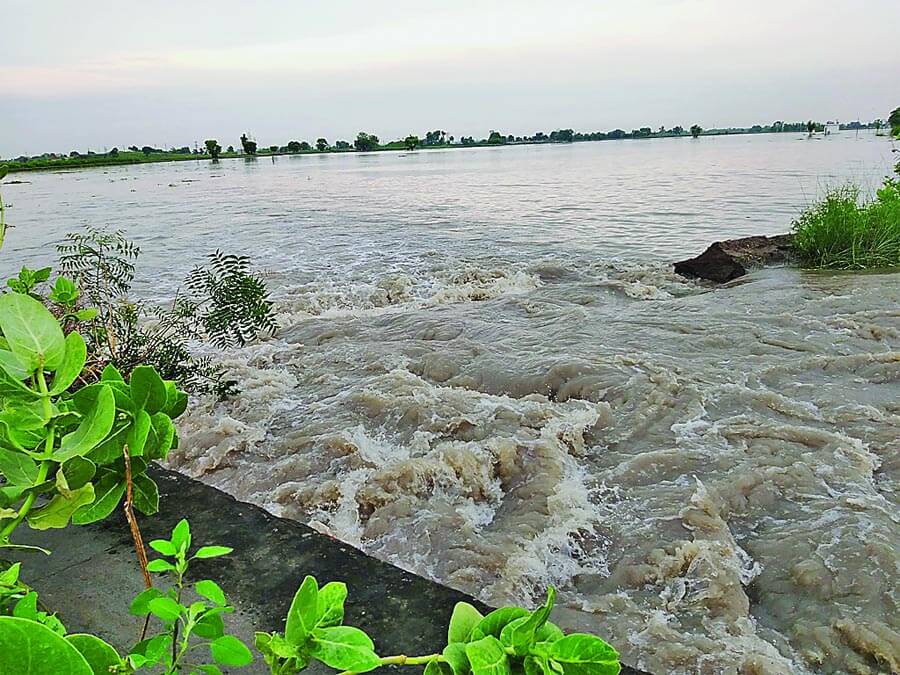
136,532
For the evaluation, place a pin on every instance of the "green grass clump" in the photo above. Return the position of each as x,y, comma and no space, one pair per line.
842,232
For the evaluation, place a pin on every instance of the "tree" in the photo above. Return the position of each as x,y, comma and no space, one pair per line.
293,146
696,130
321,144
230,149
213,149
342,145
248,145
811,127
496,138
894,121
273,148
114,152
365,142
411,142
146,150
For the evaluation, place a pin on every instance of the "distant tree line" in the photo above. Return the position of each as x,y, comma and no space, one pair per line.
368,142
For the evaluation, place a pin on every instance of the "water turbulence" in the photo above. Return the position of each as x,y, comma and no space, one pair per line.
710,477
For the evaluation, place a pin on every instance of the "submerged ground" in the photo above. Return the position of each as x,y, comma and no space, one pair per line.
488,374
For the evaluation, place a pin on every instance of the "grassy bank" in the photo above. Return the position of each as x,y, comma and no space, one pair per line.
843,232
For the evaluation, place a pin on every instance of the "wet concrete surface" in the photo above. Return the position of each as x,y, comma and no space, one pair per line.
92,574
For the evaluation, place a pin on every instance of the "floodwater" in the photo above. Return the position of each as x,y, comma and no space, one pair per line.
487,373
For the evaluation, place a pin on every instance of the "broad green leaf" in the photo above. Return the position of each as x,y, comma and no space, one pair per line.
12,388
77,471
301,618
101,657
87,314
145,494
465,617
15,366
583,654
549,632
181,535
494,622
148,391
344,648
32,332
164,608
164,546
210,627
212,551
111,374
29,648
175,407
160,565
165,435
211,590
112,448
229,651
17,468
330,604
487,657
108,493
140,606
72,364
10,576
154,650
137,434
521,635
455,654
275,644
57,513
95,426
438,668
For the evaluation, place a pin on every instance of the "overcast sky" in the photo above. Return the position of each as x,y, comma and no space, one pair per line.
92,74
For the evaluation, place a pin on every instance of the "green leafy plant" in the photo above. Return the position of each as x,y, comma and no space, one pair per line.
510,640
841,232
223,303
186,628
63,455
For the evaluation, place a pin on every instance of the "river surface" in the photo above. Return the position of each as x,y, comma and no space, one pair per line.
487,373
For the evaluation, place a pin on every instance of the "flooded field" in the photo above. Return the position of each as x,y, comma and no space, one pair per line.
487,373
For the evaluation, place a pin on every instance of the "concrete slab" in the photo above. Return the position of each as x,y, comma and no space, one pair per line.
92,575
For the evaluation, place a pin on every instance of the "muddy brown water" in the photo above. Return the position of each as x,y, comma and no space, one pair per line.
488,374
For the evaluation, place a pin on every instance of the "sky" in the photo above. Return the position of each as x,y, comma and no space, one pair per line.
97,74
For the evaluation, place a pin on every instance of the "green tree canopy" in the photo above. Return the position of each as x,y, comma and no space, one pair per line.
365,142
321,144
213,149
411,142
894,121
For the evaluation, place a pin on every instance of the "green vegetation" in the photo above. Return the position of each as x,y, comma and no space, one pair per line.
894,122
841,232
508,640
366,142
213,149
223,303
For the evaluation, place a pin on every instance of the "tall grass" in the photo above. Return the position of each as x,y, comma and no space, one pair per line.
843,232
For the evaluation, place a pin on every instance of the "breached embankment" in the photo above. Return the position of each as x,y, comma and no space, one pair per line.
707,474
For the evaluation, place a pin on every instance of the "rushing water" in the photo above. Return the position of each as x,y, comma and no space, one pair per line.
488,374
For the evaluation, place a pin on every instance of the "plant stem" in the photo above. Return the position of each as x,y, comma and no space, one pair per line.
403,660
